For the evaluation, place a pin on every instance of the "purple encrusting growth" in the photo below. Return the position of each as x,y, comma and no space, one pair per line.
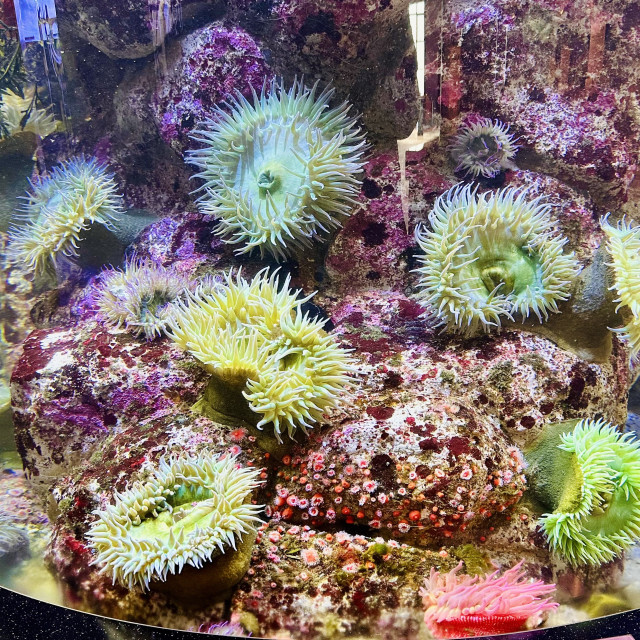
215,63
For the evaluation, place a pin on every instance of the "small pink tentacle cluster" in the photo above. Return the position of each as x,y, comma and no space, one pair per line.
463,606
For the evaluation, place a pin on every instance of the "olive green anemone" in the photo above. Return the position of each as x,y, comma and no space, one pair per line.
191,511
588,474
253,337
279,171
490,256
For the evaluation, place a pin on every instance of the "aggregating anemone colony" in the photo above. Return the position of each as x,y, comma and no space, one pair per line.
280,171
326,371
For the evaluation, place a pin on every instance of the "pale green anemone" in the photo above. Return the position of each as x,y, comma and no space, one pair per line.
191,511
255,340
59,209
588,473
279,171
488,257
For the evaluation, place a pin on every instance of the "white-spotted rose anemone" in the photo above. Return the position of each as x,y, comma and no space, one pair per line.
623,245
490,256
59,208
253,336
193,509
279,171
141,296
483,148
588,474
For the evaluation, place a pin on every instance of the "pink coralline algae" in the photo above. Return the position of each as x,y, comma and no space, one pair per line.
464,606
214,64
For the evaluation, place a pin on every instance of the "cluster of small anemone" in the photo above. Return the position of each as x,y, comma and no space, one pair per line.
483,148
490,256
596,513
59,209
193,509
253,335
280,171
623,245
18,115
462,606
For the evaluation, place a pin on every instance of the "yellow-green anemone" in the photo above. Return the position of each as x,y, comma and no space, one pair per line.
490,256
279,171
254,337
59,208
192,510
588,474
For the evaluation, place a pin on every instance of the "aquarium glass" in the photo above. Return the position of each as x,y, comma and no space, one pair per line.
321,318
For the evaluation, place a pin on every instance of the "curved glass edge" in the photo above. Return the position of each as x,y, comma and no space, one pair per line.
24,618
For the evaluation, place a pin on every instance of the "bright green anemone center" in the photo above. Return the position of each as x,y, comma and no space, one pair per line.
151,305
188,507
510,270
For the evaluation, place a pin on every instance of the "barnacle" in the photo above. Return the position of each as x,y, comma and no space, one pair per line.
60,207
141,297
588,474
623,245
490,256
192,510
254,336
461,606
279,171
18,114
483,148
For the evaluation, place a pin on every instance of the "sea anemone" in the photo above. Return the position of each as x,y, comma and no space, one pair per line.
142,296
19,114
483,148
490,256
462,607
281,170
623,245
589,475
234,629
190,512
59,209
254,336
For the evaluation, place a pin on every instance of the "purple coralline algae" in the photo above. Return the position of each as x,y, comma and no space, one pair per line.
210,67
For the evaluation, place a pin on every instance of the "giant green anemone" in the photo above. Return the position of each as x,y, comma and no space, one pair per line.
254,337
623,245
281,170
488,257
59,209
588,474
192,510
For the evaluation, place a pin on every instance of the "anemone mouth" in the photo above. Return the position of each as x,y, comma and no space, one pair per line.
490,256
279,172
